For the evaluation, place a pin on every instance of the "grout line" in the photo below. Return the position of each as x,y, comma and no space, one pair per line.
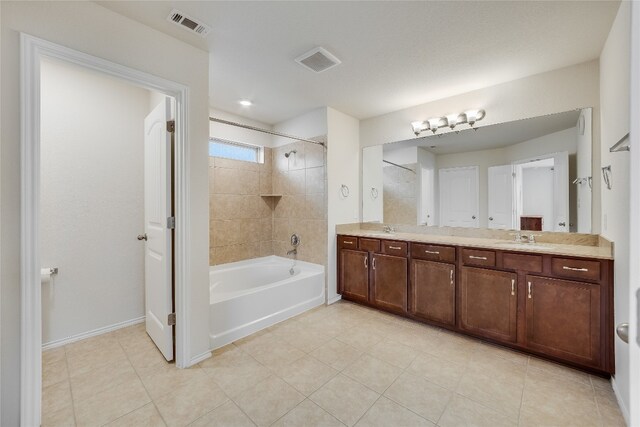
73,404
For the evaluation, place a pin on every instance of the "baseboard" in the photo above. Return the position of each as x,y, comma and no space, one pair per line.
623,408
93,333
200,358
334,299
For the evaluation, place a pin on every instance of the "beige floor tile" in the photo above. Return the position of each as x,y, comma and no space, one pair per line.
559,370
190,401
610,413
360,337
494,351
259,341
393,352
386,413
533,418
502,394
345,399
464,412
306,374
82,362
93,382
268,400
420,339
53,355
439,371
498,368
336,354
111,404
56,397
235,371
99,342
54,372
454,348
226,415
278,354
599,382
134,343
163,379
147,416
307,339
419,395
308,414
146,358
373,373
61,418
225,356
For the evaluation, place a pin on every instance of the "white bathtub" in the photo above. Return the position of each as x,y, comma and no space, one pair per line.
247,296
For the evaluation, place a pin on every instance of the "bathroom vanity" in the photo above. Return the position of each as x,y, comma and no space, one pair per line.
551,300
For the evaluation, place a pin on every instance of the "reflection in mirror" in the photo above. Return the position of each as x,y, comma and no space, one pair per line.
532,174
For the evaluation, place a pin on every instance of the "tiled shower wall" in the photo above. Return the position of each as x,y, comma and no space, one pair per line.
245,225
240,220
399,190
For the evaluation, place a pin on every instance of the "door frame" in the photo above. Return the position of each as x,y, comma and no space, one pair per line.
32,50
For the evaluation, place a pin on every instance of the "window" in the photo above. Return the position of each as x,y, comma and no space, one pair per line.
235,150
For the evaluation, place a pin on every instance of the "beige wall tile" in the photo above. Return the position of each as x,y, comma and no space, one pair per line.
314,178
296,181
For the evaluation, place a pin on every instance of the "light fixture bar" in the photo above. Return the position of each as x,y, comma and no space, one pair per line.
471,117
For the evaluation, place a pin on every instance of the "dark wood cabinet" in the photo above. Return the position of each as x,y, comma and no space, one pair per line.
489,303
389,282
432,291
554,306
354,274
563,319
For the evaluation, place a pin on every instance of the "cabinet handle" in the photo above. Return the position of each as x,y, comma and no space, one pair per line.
432,252
374,263
513,287
366,262
484,258
451,277
395,247
574,269
529,290
347,242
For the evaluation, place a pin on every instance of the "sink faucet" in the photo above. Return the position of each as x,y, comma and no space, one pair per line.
518,237
532,237
388,229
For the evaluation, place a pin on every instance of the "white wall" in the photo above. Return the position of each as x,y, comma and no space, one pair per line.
614,116
564,140
584,200
237,134
90,28
372,183
308,125
343,158
401,156
428,207
89,214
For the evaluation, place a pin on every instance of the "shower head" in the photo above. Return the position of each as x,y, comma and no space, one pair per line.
289,153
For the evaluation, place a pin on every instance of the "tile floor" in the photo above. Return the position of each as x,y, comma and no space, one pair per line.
333,366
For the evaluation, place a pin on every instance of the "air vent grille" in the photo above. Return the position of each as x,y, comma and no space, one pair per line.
318,60
188,22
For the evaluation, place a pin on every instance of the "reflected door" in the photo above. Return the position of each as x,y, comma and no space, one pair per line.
459,197
561,191
500,197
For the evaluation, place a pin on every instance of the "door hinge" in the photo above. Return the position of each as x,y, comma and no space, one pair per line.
171,319
171,222
171,126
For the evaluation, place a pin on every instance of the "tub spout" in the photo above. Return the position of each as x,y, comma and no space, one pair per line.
292,252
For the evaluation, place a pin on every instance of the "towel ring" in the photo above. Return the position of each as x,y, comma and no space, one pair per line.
374,193
344,190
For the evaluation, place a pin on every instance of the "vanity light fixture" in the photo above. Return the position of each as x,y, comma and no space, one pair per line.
451,121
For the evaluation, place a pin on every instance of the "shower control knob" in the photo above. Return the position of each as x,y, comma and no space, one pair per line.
142,236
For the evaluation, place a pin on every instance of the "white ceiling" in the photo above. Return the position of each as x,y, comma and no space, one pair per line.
394,54
490,137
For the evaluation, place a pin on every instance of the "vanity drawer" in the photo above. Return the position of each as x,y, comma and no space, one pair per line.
433,252
347,242
391,247
576,268
532,263
479,257
371,245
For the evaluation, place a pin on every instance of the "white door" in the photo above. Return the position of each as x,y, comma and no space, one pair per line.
459,197
561,191
500,197
157,210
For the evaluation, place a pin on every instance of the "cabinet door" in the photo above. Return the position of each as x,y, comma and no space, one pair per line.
432,291
488,303
563,319
389,282
354,274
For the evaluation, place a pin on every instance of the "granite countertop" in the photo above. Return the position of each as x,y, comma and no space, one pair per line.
585,251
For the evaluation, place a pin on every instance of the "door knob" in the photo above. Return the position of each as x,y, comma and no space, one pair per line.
473,217
623,332
142,236
490,218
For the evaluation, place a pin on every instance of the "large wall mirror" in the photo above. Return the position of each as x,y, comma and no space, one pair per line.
532,174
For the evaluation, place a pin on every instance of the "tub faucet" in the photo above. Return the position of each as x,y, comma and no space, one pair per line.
293,251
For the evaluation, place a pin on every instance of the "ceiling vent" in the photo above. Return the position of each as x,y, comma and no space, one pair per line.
188,22
318,60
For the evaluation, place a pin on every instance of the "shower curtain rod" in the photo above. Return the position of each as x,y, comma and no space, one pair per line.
400,166
271,132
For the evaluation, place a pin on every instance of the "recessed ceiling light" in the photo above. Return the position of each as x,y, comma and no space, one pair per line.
246,103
